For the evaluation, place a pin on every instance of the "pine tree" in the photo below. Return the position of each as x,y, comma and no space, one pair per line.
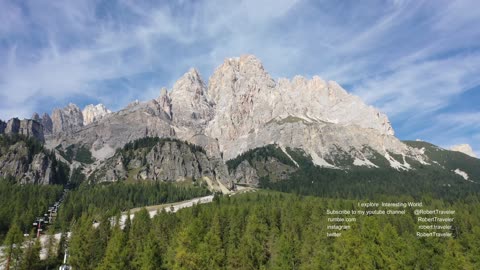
211,249
116,254
253,246
84,245
454,257
12,243
31,256
148,259
185,252
141,224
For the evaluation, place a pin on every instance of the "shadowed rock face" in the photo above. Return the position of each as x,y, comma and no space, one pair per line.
47,124
167,161
3,125
45,121
25,166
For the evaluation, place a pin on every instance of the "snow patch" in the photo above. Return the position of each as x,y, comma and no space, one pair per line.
364,162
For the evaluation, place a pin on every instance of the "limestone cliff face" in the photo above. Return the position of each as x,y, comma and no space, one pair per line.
47,124
190,108
45,121
27,127
67,120
165,102
252,110
92,113
25,166
242,92
103,137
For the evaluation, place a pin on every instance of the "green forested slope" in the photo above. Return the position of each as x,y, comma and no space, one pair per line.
275,231
20,204
437,179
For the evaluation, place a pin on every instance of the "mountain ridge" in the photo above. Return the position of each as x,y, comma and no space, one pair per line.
241,108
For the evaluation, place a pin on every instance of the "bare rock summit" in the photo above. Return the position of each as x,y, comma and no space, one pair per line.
92,113
67,119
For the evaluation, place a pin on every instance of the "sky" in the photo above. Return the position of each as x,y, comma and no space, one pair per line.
417,61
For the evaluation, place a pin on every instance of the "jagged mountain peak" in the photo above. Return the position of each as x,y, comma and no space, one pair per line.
244,62
238,76
189,85
188,104
163,92
92,113
36,117
67,119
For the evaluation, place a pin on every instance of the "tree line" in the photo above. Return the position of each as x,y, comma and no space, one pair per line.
266,230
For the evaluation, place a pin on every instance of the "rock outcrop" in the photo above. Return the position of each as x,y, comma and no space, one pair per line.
25,166
165,102
464,148
167,160
103,137
3,125
67,119
92,113
45,121
27,127
191,110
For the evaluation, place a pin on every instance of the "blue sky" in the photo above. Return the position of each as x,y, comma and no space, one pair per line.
418,61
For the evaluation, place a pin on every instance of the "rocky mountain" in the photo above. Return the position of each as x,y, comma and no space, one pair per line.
92,113
45,121
3,125
162,159
190,107
242,108
67,119
27,127
24,160
253,110
241,112
464,148
457,162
